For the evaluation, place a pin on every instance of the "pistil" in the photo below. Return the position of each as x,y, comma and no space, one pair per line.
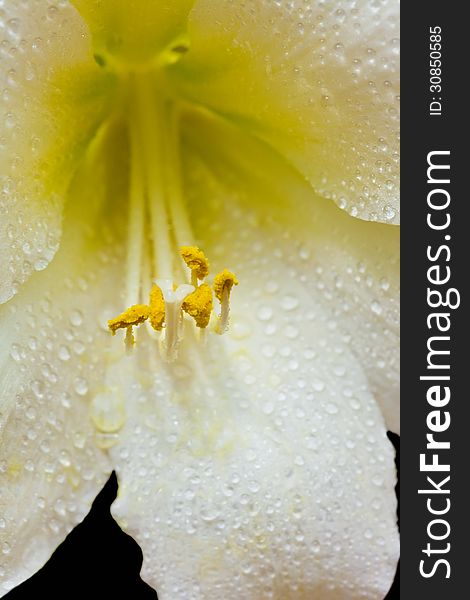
173,317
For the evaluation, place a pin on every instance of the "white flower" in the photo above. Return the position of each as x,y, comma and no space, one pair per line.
252,464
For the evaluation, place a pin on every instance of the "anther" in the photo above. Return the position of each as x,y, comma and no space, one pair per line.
135,315
196,260
168,301
199,305
223,284
156,308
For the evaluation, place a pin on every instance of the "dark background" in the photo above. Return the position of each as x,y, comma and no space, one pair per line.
98,560
421,134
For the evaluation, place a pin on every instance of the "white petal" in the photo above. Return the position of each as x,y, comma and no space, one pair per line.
53,356
49,108
258,466
350,267
316,79
247,469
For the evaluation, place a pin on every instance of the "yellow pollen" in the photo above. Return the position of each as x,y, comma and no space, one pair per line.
167,304
195,260
135,315
224,282
198,305
157,308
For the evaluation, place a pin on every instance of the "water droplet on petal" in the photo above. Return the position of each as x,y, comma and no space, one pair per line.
265,313
289,303
376,307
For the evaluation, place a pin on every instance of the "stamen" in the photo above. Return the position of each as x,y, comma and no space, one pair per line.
155,191
157,308
135,315
196,261
223,284
199,305
129,340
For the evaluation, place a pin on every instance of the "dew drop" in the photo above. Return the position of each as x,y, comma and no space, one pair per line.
315,546
40,264
268,351
384,284
268,408
265,313
64,353
318,385
354,403
79,440
64,458
240,329
107,412
289,303
389,212
311,442
376,307
228,490
15,352
76,318
377,480
271,287
291,332
270,329
209,513
38,388
80,386
376,504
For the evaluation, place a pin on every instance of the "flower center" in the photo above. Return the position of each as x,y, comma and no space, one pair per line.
165,271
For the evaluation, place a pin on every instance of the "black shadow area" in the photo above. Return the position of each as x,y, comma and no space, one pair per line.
96,560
